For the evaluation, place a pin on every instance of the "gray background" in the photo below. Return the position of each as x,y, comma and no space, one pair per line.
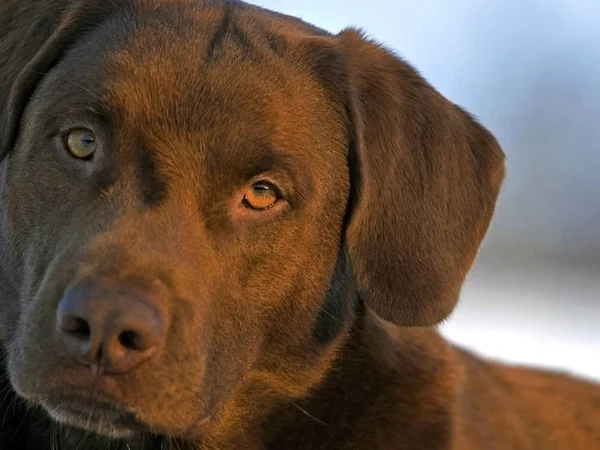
530,70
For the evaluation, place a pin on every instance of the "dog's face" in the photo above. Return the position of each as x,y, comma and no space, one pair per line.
195,196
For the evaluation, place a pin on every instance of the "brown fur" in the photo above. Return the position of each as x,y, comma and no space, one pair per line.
308,325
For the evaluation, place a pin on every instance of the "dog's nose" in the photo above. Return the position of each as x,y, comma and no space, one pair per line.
110,330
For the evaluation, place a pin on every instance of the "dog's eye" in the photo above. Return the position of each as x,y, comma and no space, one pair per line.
81,143
261,196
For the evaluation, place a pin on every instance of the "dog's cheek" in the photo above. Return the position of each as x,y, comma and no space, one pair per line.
241,293
32,350
9,310
291,284
8,305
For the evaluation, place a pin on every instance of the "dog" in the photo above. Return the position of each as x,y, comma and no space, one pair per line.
225,228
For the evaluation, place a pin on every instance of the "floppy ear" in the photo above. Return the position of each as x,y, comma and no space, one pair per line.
33,37
426,178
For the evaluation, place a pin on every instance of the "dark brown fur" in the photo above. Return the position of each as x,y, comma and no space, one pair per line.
308,325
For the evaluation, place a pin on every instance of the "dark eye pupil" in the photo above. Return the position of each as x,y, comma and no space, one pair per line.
262,189
87,140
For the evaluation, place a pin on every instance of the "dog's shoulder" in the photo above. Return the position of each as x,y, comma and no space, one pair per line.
526,406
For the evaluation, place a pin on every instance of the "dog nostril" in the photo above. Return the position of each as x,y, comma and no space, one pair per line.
75,326
112,331
132,340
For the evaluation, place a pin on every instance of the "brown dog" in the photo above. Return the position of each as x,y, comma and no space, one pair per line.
223,228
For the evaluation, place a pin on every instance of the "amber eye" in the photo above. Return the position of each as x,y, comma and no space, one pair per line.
81,143
261,196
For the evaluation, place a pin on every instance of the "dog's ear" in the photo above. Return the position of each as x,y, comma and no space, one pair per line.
425,179
33,37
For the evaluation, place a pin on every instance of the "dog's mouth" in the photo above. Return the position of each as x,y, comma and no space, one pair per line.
105,418
97,416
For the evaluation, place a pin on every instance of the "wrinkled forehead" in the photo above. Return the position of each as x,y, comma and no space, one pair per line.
217,71
185,65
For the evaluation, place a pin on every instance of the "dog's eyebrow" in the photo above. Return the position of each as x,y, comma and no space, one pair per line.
264,160
246,161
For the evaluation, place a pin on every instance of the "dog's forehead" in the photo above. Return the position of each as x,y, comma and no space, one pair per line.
200,68
217,89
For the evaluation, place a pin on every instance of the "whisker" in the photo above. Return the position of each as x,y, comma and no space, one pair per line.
19,426
309,415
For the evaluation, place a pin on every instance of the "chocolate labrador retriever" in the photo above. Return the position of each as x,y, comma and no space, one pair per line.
224,228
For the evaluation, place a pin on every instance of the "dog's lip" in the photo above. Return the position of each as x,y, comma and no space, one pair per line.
83,403
93,413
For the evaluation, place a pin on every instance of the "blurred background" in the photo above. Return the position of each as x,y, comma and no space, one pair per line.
530,71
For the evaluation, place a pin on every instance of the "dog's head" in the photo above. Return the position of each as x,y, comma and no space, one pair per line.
197,197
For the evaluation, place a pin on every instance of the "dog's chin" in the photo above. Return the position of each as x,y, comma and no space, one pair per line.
102,419
111,421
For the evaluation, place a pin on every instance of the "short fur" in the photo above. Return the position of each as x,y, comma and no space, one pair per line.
309,325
